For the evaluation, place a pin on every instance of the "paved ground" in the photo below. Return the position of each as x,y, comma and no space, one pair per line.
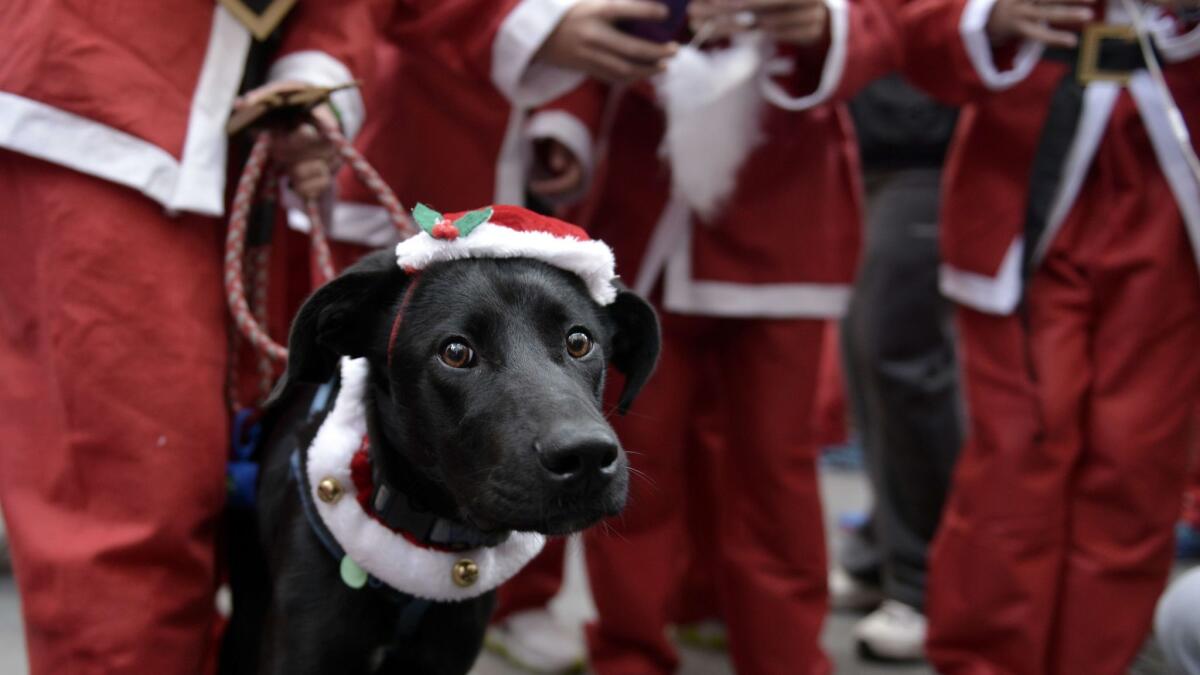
843,491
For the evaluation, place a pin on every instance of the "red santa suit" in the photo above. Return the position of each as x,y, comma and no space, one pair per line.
113,435
1057,537
743,293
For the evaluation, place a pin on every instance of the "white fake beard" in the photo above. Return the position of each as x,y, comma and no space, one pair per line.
713,108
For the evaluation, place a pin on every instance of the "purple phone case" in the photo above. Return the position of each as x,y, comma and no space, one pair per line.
660,31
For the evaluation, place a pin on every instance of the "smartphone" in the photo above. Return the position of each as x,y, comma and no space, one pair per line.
659,31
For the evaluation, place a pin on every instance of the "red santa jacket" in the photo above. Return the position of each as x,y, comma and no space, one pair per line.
138,93
1006,95
447,101
784,242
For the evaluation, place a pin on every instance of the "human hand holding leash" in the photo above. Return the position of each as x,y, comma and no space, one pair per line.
306,155
1038,20
587,40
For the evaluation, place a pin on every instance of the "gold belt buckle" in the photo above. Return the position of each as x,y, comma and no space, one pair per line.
1088,69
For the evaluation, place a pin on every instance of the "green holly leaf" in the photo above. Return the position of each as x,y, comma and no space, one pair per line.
426,217
472,220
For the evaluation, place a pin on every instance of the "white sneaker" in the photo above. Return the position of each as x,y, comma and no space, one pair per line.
894,632
537,641
848,593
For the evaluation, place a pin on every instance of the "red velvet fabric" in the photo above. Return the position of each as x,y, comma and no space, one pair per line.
1057,539
743,390
113,425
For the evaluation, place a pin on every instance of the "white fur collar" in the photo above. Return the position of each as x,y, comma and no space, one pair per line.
714,108
386,555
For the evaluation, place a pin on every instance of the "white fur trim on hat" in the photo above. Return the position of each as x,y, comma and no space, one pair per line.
388,556
591,260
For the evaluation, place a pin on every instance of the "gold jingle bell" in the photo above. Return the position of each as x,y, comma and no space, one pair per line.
329,490
465,573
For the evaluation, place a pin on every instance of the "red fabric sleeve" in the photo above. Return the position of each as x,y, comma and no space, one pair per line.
346,30
585,103
872,50
935,56
458,33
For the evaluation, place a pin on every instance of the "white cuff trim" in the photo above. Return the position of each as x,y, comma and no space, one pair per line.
521,35
831,72
565,128
973,28
321,69
1173,46
993,295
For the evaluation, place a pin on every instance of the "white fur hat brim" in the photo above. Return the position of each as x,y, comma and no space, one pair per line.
592,261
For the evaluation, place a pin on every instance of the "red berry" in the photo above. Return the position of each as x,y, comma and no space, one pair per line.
445,230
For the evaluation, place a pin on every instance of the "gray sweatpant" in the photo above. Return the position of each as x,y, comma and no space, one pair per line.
902,382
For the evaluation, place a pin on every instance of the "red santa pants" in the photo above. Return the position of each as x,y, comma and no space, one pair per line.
758,378
1058,535
112,421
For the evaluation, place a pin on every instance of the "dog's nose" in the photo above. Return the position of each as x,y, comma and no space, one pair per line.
573,452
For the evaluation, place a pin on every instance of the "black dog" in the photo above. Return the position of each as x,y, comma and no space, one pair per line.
483,406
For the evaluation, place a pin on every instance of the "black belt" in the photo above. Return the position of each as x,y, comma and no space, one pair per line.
1106,53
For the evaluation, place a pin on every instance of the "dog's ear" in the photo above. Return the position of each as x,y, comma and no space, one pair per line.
338,320
636,342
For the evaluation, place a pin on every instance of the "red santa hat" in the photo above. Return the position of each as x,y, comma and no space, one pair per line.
509,232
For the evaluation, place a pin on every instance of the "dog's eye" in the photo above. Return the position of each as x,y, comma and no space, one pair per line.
579,344
457,355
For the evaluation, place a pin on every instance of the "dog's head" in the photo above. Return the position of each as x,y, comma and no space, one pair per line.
487,377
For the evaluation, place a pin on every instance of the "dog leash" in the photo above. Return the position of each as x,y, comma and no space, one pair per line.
248,325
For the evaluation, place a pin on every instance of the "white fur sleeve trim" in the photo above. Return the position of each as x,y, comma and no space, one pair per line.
831,72
573,134
591,260
389,557
1171,44
973,28
323,70
521,35
993,295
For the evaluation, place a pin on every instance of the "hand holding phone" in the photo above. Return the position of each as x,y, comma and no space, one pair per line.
588,40
663,30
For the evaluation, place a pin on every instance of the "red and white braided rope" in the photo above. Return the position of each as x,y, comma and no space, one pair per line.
235,253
